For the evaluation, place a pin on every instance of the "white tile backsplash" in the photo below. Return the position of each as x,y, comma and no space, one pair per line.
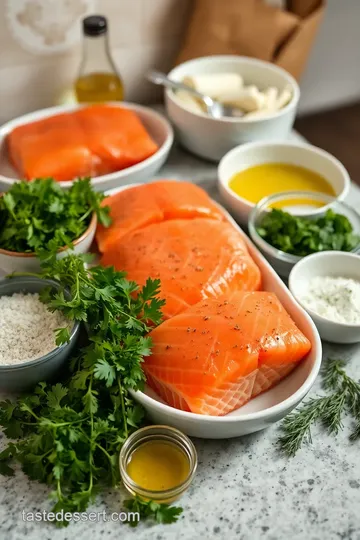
124,18
135,62
33,86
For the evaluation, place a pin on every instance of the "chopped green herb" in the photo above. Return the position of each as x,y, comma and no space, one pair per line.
302,236
40,216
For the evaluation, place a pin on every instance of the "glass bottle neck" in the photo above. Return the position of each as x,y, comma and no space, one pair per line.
96,54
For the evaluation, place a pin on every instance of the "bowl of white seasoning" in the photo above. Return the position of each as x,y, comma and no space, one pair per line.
327,286
28,351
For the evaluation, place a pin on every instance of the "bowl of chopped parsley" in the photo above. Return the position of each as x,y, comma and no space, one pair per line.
40,218
289,226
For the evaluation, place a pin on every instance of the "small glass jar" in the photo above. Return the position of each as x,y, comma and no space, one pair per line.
312,205
157,434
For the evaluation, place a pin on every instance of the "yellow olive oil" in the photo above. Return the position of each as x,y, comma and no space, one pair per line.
99,87
266,179
158,466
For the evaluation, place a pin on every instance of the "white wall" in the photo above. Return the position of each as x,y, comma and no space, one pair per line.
332,75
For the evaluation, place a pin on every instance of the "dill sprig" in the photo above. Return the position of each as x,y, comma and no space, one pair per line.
328,410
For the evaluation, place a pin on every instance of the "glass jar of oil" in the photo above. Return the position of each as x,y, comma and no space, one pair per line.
158,463
98,79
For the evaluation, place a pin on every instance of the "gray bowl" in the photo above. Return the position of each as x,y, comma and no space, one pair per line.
19,377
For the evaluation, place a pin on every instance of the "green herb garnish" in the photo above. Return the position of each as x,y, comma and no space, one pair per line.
329,409
161,513
302,236
40,216
69,435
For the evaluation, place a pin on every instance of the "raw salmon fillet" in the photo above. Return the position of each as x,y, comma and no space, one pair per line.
91,141
194,259
116,135
219,353
54,146
139,206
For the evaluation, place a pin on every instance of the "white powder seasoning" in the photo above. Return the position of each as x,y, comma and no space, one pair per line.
335,298
26,328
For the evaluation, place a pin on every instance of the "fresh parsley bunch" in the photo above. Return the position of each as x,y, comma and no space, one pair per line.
302,236
40,216
69,435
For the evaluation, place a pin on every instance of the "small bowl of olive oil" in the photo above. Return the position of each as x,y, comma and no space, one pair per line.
158,463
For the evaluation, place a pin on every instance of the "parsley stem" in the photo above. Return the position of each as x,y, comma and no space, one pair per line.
87,213
123,407
27,409
30,274
91,442
58,490
102,449
62,424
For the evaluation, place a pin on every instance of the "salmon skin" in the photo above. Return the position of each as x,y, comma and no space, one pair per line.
218,354
194,259
91,141
139,206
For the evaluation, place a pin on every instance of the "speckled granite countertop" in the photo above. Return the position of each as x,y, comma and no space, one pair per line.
244,488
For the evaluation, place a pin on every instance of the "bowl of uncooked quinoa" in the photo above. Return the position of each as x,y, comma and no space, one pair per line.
28,350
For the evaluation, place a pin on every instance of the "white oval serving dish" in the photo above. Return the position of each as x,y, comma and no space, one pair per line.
265,409
158,127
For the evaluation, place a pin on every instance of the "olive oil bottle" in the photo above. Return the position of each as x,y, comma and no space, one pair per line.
98,80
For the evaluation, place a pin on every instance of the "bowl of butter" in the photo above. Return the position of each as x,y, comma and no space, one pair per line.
266,95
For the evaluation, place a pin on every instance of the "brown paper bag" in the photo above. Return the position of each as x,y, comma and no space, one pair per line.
303,8
294,54
253,28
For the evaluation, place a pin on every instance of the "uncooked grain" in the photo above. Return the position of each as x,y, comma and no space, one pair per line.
26,328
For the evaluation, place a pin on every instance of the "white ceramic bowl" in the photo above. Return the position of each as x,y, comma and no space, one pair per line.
158,127
327,263
265,409
301,154
11,261
283,262
212,138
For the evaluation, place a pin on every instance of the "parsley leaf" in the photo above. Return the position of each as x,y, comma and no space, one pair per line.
62,336
41,217
55,395
161,513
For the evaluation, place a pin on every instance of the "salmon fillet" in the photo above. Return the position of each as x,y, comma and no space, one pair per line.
139,206
194,259
91,141
220,353
52,147
116,135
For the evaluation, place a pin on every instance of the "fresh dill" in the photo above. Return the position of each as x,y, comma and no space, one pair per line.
329,410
